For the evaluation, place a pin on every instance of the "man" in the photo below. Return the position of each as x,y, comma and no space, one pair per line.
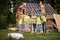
43,18
38,24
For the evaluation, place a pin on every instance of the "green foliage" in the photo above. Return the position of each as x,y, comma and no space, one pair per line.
57,6
5,16
18,1
3,21
12,19
46,1
57,1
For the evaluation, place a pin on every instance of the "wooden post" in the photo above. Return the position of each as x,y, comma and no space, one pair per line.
23,22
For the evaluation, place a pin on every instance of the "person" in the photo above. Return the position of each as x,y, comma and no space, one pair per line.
22,7
43,17
34,22
26,21
20,24
43,9
38,24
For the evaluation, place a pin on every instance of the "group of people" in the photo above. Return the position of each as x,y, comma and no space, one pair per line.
36,22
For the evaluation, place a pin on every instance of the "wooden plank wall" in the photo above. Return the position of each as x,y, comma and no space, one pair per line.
57,19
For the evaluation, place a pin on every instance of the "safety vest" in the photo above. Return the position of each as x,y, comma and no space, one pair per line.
20,21
26,18
38,21
43,19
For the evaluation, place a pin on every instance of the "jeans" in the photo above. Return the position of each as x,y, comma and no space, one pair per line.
44,27
34,26
20,27
38,27
25,24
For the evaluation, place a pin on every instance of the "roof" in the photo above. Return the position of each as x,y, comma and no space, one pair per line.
49,9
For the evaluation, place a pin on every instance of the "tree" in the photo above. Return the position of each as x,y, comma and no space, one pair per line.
4,7
6,17
57,6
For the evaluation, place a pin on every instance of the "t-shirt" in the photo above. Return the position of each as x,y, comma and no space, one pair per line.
38,20
20,21
33,16
43,19
26,18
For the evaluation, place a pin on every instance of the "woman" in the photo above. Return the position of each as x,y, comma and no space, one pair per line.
20,24
38,24
26,22
34,21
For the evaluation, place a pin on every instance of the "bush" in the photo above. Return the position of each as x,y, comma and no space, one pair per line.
57,1
57,7
3,22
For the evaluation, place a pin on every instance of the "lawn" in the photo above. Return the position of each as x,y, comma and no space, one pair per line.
29,36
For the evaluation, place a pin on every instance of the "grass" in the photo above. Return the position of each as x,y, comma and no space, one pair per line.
28,36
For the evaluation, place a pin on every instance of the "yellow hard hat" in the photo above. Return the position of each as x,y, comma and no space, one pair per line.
24,4
42,6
